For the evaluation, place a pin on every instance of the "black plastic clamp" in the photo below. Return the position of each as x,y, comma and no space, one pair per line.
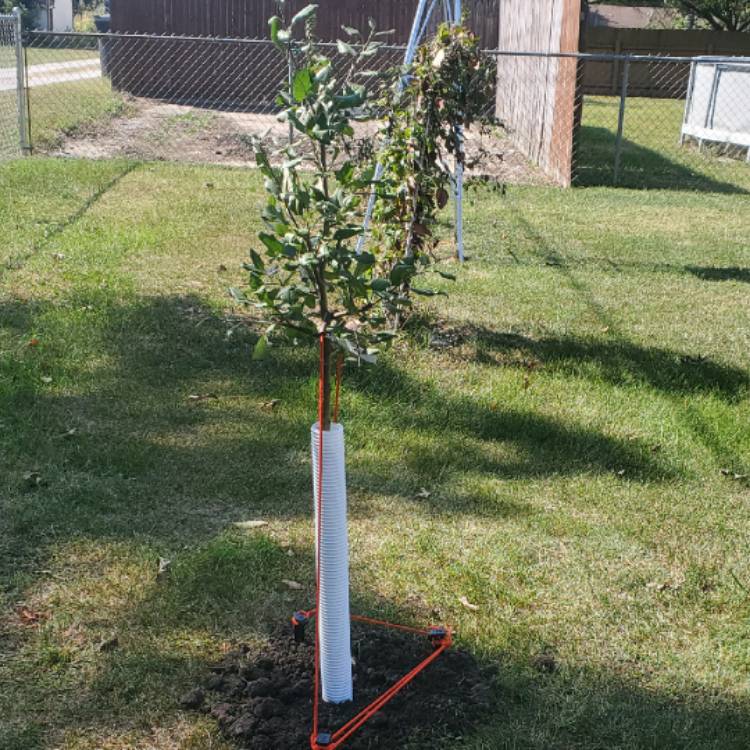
299,620
437,636
323,739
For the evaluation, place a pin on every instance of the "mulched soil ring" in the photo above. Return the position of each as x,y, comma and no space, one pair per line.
262,696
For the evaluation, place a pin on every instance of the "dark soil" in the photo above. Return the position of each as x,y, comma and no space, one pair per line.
262,698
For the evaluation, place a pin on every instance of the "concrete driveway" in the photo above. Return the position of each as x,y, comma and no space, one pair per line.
49,73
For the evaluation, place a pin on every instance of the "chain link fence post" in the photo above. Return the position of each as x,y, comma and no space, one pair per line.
21,91
621,119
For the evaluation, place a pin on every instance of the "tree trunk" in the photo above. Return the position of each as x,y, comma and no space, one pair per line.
326,373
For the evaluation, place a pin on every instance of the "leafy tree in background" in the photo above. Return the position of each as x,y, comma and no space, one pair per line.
27,15
719,15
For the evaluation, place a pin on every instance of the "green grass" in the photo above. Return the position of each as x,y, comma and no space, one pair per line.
652,156
43,55
573,442
61,109
72,108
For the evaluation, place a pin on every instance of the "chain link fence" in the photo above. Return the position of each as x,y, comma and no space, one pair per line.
638,122
10,86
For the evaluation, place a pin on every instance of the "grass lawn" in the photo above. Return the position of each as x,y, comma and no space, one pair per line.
44,55
58,110
652,156
70,108
584,441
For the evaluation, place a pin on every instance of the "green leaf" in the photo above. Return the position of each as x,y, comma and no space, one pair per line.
445,275
345,48
274,246
304,14
380,285
346,172
275,24
257,260
401,272
350,30
346,233
302,85
261,349
324,73
366,260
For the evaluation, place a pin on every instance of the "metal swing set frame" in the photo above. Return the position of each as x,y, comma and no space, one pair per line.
452,12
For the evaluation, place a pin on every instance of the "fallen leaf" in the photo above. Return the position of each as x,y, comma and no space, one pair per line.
201,396
58,256
250,524
292,585
689,360
222,268
34,342
110,644
33,479
272,404
621,473
466,603
28,616
659,585
46,379
74,635
163,568
545,663
423,494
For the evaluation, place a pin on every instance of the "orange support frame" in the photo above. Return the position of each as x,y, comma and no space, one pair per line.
442,640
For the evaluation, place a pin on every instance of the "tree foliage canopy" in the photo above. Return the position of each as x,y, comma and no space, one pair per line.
719,15
309,276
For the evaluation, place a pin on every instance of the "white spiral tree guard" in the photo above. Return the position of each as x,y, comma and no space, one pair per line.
332,553
331,534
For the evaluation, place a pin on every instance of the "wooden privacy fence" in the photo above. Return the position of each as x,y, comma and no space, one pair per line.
226,74
249,18
605,77
211,71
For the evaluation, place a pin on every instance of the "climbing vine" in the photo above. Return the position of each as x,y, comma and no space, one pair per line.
449,89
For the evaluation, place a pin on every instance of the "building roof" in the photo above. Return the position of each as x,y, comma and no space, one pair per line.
630,17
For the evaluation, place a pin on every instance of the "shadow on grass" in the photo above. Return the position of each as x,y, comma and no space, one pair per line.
618,362
137,686
176,432
55,230
148,464
642,167
709,273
